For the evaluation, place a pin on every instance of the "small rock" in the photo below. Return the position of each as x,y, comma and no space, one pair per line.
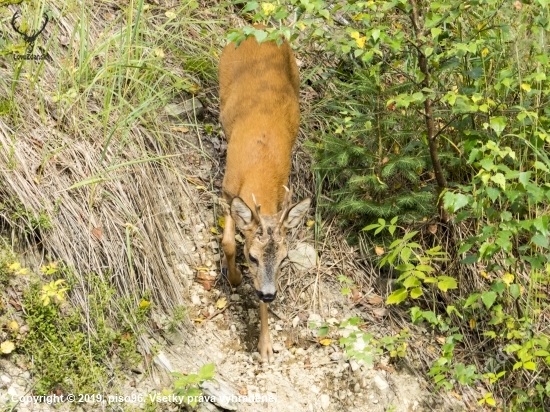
354,365
381,383
278,327
295,322
222,393
12,391
162,361
303,257
325,401
214,245
357,388
195,299
314,389
5,379
335,356
216,257
186,110
277,347
235,297
314,317
184,270
233,328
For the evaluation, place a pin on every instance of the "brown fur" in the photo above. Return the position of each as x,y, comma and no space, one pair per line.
260,114
259,90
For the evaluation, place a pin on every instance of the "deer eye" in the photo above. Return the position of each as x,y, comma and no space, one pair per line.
252,259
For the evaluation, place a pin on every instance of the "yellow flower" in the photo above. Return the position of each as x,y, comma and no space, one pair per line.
268,8
359,40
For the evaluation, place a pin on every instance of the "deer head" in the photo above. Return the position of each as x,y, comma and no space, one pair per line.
265,240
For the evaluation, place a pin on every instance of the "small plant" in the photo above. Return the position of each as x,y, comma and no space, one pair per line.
53,292
347,284
187,386
415,265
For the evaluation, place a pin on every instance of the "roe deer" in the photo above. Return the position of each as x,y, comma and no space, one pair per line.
260,115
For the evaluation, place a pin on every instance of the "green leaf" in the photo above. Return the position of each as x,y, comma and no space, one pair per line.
436,31
411,282
541,166
515,290
260,35
324,13
498,124
252,5
524,178
404,267
469,259
406,254
416,293
488,298
397,297
499,180
540,240
512,348
410,235
455,201
425,268
446,282
207,371
530,366
464,248
541,224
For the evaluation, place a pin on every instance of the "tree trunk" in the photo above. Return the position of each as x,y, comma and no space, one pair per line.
428,115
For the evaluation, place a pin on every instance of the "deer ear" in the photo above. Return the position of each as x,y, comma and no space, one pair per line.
241,213
295,213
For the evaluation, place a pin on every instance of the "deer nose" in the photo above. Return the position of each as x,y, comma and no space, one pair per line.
266,297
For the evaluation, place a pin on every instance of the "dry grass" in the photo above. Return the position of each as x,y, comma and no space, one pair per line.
92,117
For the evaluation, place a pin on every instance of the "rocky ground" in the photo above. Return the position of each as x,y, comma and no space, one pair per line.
306,375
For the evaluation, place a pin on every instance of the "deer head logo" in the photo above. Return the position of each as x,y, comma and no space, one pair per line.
29,38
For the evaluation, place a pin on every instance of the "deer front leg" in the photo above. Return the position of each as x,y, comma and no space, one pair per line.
229,269
264,345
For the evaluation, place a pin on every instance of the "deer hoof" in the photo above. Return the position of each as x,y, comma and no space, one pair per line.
266,350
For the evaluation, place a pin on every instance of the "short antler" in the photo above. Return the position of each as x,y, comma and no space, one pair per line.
257,207
286,202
